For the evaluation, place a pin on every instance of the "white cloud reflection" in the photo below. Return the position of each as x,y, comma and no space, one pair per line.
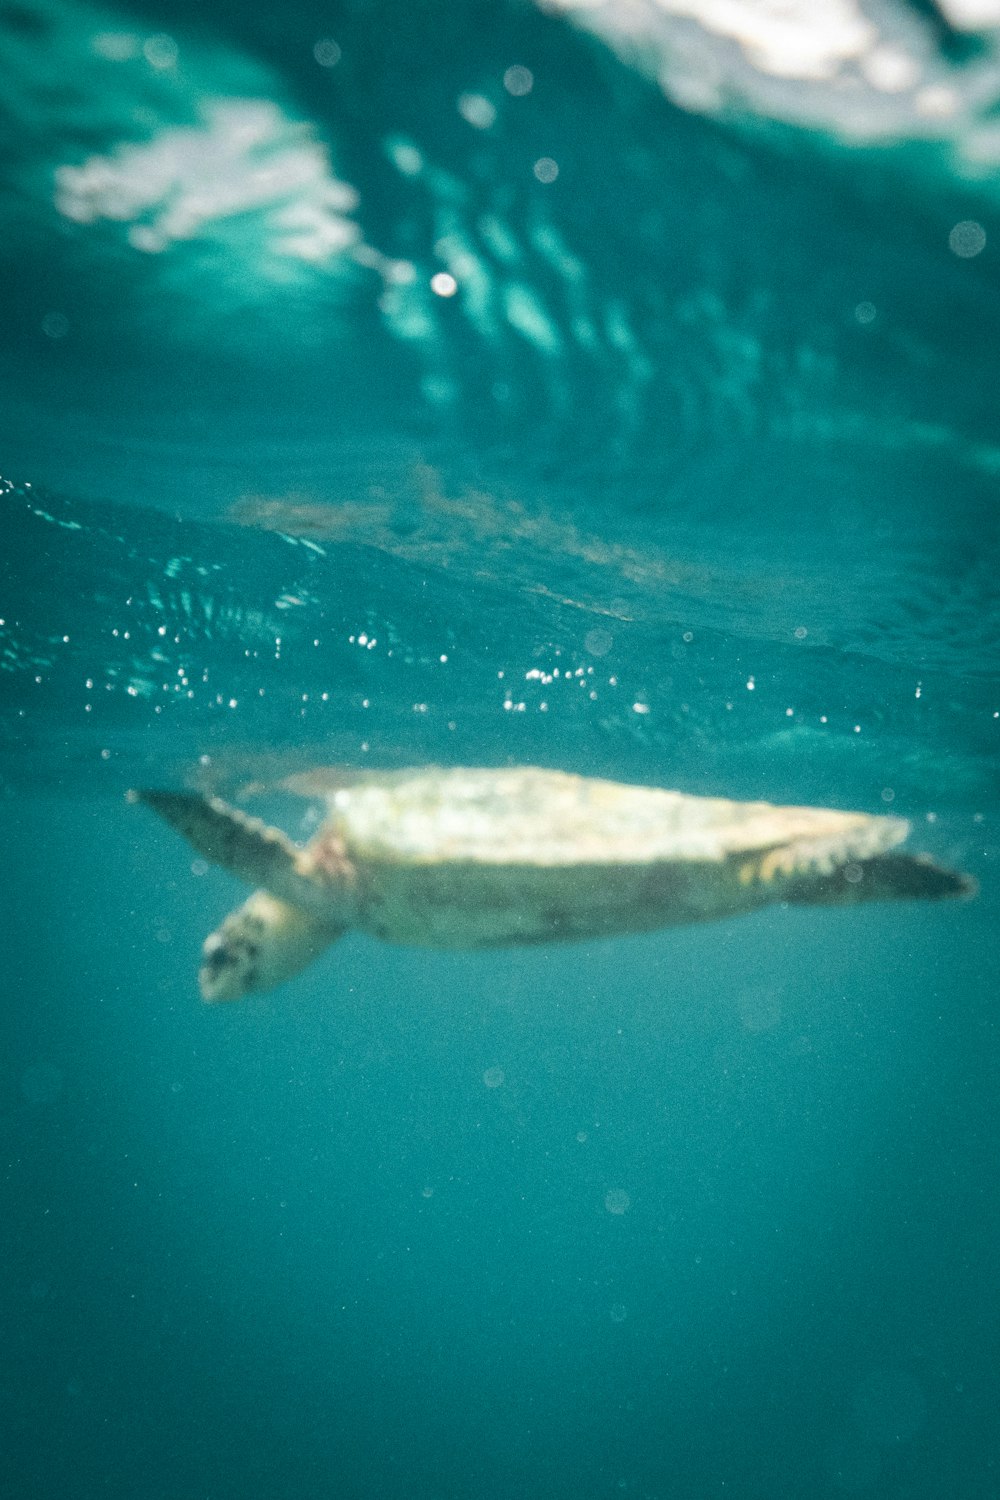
864,70
246,158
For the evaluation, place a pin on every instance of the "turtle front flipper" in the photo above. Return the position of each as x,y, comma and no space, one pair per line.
246,847
260,945
280,928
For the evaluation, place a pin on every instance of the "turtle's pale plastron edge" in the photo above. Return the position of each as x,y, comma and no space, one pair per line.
476,858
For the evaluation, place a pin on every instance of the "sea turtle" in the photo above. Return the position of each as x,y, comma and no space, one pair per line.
465,858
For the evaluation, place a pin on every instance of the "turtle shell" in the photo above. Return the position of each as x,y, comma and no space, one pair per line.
476,858
532,817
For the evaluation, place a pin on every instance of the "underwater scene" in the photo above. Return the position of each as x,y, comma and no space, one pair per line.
397,395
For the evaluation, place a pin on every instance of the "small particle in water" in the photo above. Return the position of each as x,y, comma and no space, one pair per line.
326,52
427,1192
545,169
750,684
160,51
967,239
866,312
890,1408
598,641
443,284
759,1008
115,46
888,795
855,1470
55,325
41,1083
199,867
518,81
640,708
617,1201
800,632
688,636
853,874
581,1136
105,754
493,1077
619,1312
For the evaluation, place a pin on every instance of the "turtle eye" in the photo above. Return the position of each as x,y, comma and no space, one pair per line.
216,955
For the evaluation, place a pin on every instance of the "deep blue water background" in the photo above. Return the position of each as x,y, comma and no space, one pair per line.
262,512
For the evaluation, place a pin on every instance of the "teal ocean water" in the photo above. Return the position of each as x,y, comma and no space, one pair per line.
610,388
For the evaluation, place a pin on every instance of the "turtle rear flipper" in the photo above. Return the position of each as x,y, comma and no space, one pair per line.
884,877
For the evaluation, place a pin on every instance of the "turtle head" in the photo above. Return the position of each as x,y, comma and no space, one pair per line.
260,945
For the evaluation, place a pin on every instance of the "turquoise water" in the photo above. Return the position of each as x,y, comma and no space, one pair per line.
684,473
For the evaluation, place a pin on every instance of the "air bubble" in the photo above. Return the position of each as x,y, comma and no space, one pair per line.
160,51
518,81
327,53
477,110
598,642
967,239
